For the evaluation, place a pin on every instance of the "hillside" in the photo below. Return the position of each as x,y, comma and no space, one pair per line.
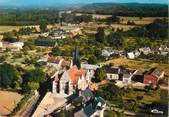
126,9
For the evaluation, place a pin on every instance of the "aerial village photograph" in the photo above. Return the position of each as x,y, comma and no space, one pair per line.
84,58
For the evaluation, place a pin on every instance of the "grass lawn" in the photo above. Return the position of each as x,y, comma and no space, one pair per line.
148,98
8,101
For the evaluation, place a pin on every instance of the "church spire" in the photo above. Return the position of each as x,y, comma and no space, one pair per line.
76,59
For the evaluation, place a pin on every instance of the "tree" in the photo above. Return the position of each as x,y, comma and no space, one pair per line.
33,85
100,75
158,29
98,52
35,75
9,76
111,93
2,59
43,26
130,22
115,39
92,60
100,35
113,19
9,37
56,51
33,79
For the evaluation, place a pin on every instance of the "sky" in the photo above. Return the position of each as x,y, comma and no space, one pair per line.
55,2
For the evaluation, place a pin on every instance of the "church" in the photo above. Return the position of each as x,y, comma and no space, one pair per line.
72,79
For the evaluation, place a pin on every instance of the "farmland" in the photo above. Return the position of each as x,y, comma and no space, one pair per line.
11,28
139,21
8,101
8,28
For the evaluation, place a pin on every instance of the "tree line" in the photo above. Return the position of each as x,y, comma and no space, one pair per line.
36,17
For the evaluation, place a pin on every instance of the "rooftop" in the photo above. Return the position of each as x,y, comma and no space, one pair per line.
48,105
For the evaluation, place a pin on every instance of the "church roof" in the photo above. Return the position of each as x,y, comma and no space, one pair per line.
75,74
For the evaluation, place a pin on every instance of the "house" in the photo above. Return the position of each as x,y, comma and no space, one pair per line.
110,53
45,34
16,46
153,76
106,53
90,68
94,107
1,44
84,105
74,30
116,73
127,74
145,50
164,50
112,73
137,53
44,58
131,55
58,34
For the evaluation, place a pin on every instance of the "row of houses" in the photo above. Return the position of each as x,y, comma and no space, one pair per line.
163,50
124,75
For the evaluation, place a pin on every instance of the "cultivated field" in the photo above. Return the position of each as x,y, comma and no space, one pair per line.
8,28
95,16
8,101
11,28
124,26
139,21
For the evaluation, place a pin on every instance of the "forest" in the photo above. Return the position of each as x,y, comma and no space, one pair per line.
51,16
126,9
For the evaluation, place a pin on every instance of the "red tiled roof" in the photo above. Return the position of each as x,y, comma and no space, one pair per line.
53,60
93,86
66,63
157,72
